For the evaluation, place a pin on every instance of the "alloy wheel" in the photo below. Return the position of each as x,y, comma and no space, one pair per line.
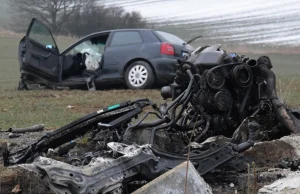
138,75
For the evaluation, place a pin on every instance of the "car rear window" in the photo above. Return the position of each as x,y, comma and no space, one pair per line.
170,38
123,38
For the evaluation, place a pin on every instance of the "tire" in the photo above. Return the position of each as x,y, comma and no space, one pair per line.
139,75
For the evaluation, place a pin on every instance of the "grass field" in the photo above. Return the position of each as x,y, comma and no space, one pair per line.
25,108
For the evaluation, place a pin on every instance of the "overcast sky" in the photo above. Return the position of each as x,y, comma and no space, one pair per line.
187,9
252,21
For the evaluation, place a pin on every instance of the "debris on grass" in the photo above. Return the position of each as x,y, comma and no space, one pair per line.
213,93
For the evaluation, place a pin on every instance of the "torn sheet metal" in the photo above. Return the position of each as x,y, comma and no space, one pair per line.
98,176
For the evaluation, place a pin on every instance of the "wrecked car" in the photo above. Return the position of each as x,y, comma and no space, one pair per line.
214,93
137,57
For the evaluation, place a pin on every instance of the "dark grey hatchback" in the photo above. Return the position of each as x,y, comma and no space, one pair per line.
137,57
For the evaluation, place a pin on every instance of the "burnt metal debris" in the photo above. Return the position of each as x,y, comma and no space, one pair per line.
287,163
34,128
214,93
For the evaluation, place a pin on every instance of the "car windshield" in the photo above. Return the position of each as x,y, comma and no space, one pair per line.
167,37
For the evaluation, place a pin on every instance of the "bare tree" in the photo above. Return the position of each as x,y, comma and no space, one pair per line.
53,13
97,17
72,17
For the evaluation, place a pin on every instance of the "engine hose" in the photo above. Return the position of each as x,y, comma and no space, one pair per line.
139,124
184,120
225,65
183,108
175,104
285,116
270,79
253,127
184,97
192,65
245,99
154,130
189,88
281,112
164,126
188,127
207,118
149,124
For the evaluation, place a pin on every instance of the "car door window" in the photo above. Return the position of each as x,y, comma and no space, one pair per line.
124,38
41,34
94,47
167,37
89,52
88,46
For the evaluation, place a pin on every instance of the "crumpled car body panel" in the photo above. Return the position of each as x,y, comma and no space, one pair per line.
99,175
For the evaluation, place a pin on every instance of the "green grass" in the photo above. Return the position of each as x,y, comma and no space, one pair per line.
25,108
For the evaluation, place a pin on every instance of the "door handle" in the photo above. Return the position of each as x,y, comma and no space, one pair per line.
40,55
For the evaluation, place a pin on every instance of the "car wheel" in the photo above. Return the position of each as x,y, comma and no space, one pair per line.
139,75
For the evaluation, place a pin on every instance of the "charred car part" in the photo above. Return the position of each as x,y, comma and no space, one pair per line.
213,94
118,116
102,175
122,167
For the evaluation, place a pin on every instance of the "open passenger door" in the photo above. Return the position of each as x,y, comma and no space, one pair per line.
41,52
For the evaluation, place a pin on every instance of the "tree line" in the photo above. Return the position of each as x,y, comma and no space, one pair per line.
72,17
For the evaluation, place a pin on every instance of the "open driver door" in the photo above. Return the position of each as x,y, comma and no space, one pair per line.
41,56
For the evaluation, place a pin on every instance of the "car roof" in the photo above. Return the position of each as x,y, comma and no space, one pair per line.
120,30
132,29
